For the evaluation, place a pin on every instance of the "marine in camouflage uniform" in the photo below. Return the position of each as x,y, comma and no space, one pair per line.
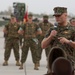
57,36
44,25
12,40
72,22
30,30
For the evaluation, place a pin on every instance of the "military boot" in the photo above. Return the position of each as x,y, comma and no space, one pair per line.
17,63
5,63
36,66
21,66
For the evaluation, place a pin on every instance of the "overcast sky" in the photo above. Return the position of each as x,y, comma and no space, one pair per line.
41,6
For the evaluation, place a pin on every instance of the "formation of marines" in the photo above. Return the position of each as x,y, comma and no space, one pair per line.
33,32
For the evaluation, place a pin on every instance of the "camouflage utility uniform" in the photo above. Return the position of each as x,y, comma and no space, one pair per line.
30,31
63,31
44,27
72,22
12,42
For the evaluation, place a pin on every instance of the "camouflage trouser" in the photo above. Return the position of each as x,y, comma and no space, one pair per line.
20,40
33,47
40,49
5,42
74,58
47,50
74,54
11,44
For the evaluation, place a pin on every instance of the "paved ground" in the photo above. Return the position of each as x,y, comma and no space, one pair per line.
11,69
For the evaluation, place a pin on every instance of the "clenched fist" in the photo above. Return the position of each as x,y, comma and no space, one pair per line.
53,33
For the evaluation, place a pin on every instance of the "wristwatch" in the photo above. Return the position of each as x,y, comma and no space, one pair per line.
70,41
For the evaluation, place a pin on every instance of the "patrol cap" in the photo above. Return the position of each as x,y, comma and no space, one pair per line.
30,14
45,16
72,19
59,10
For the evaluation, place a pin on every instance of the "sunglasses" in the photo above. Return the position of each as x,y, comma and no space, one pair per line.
57,15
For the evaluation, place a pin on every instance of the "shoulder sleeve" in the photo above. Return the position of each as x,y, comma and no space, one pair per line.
49,31
38,27
40,24
18,25
51,24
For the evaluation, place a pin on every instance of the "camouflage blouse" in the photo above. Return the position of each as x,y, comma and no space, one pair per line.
12,30
30,30
62,31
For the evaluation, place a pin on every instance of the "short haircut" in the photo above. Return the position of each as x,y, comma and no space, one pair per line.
62,66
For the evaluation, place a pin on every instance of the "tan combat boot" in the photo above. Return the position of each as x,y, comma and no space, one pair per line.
21,66
17,63
5,63
36,66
